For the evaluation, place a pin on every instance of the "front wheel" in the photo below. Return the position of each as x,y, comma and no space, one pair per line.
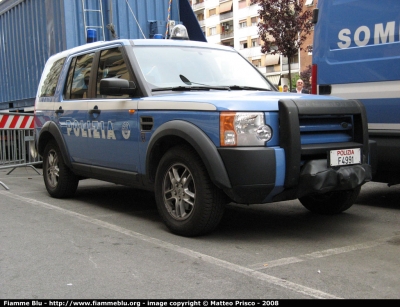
331,202
188,202
60,181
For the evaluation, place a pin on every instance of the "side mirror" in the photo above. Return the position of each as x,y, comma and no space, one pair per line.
315,16
116,87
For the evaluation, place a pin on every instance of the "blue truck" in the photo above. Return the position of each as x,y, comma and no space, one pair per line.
356,55
198,125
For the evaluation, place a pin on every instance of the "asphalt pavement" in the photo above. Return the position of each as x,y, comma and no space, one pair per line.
108,242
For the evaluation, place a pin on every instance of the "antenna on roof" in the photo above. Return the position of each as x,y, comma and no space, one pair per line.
140,28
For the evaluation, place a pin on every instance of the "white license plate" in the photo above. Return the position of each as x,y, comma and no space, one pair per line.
345,156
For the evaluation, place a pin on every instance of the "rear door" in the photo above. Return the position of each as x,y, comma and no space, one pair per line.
71,112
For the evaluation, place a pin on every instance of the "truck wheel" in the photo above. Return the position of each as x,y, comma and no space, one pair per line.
188,202
331,202
60,181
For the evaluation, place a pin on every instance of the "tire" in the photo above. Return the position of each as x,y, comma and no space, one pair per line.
188,202
60,181
330,203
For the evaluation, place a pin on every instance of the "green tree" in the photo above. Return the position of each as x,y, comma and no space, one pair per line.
283,27
293,80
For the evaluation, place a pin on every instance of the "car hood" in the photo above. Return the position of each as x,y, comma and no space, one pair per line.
224,100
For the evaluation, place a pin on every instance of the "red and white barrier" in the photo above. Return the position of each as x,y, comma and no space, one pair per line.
16,142
16,121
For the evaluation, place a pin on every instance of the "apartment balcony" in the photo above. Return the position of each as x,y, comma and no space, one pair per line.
293,66
251,52
227,41
198,6
227,35
201,23
227,15
262,70
272,69
269,69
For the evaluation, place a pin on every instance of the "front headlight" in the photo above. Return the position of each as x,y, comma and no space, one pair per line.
244,129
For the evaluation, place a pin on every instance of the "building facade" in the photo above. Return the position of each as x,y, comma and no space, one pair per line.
234,23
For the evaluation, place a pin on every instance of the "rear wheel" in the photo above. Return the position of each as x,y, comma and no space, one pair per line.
189,203
60,181
331,202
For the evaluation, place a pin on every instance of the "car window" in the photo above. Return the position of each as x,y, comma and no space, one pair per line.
163,67
50,83
78,77
111,65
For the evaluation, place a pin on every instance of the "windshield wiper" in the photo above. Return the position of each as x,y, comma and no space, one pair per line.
186,81
248,88
205,87
189,88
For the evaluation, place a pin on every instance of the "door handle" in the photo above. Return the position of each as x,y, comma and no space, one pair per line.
95,110
59,111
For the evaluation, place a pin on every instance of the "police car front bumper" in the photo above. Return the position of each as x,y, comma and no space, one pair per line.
252,172
316,177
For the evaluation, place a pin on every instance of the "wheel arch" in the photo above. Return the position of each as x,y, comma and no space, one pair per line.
181,132
50,132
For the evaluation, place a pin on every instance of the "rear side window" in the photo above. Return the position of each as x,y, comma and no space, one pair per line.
78,77
50,83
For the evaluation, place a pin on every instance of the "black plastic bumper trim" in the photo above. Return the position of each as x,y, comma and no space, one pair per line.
251,171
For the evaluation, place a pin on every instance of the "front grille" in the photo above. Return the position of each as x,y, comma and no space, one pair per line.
308,129
318,134
326,129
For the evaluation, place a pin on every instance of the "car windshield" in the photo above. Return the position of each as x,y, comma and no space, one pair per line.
169,67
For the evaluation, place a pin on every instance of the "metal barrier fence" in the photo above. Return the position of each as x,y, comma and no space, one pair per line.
16,140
